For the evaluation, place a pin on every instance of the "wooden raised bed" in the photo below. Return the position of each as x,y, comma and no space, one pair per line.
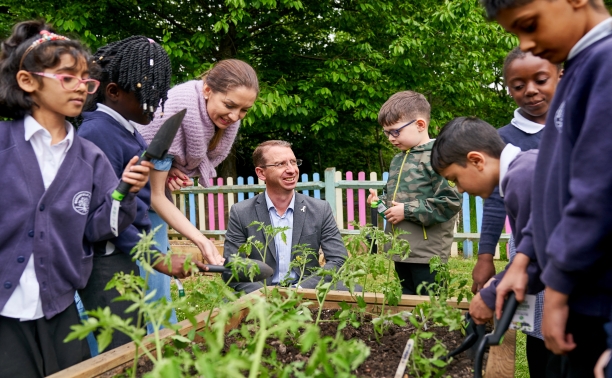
500,362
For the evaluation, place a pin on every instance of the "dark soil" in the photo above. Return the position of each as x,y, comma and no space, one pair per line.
385,354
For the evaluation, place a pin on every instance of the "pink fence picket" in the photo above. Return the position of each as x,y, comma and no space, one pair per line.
220,206
211,208
350,203
361,198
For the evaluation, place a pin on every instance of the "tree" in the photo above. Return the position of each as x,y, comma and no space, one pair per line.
325,67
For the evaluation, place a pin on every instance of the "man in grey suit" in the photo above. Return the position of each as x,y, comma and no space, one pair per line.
310,220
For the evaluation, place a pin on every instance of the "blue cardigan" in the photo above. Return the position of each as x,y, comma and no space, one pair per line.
57,225
119,146
571,223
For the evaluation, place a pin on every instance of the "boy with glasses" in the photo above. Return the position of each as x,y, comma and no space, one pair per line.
419,200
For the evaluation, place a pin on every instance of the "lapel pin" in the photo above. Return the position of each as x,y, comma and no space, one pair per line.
303,209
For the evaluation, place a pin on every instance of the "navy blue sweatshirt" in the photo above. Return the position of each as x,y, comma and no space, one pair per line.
571,222
120,146
494,212
516,186
56,225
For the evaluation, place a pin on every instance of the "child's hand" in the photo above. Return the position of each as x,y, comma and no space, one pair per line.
177,180
136,175
373,197
395,214
515,280
177,267
479,311
554,321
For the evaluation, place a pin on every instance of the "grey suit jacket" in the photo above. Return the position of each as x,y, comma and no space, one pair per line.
314,226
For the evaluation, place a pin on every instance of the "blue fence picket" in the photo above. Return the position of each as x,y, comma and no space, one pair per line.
478,213
192,209
251,181
467,245
304,179
317,192
240,181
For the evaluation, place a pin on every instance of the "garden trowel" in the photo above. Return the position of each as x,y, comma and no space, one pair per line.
158,148
496,337
265,271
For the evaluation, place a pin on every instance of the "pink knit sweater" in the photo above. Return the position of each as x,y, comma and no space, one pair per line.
190,146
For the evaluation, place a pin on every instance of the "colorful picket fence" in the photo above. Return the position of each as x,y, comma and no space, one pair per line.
208,208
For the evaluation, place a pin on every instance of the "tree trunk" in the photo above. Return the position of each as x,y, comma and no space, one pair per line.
228,167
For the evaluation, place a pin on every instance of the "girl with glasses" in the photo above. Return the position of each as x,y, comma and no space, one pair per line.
58,202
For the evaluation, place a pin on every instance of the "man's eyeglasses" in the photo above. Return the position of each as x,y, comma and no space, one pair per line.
71,83
284,164
396,132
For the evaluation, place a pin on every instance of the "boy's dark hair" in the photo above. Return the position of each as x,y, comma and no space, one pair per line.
136,64
14,102
404,106
517,53
493,7
461,136
258,154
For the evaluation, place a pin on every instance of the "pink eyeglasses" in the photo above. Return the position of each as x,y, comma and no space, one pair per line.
71,83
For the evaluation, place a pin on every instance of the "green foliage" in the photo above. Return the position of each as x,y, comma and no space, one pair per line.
325,67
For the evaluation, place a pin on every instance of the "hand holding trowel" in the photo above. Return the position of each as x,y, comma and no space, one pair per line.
158,148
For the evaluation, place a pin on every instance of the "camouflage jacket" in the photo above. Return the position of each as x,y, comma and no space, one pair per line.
430,204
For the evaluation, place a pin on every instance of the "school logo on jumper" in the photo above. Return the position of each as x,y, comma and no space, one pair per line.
80,202
559,117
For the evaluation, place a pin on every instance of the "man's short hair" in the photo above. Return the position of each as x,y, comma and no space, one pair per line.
461,136
406,105
493,7
258,154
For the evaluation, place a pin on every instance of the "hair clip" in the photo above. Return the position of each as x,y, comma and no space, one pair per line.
46,36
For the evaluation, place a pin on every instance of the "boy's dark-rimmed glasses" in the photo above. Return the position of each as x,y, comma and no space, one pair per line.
396,132
295,163
71,83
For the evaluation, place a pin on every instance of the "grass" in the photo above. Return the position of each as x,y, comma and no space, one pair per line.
458,266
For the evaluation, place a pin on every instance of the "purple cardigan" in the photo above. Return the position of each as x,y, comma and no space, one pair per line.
190,146
58,225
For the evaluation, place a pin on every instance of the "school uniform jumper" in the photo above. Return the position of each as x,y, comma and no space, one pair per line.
58,226
120,145
570,230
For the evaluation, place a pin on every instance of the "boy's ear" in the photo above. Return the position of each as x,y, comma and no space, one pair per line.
579,3
26,81
477,159
421,124
111,92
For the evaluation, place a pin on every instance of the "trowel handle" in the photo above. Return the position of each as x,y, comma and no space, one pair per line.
216,269
503,323
124,188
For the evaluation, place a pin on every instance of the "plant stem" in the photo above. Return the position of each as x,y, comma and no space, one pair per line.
261,342
382,309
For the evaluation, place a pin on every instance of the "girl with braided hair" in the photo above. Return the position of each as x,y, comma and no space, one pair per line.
215,106
135,78
58,204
